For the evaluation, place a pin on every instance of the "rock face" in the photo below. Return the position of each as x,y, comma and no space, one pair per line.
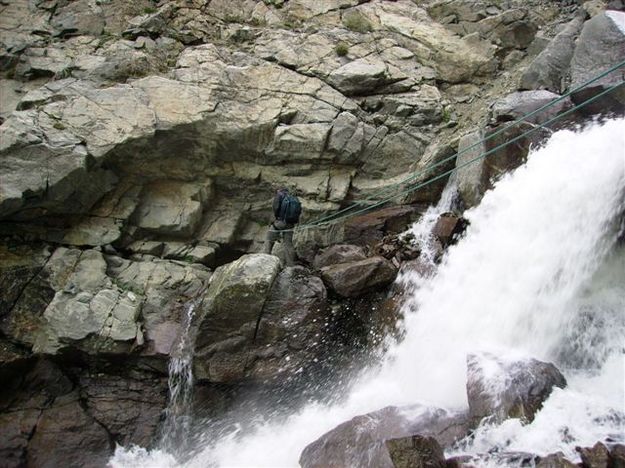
601,45
549,69
498,389
259,323
351,279
140,143
47,417
341,253
361,441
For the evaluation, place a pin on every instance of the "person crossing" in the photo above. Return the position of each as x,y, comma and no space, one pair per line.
286,211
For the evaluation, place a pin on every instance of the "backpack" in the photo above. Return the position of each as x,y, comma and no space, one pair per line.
290,209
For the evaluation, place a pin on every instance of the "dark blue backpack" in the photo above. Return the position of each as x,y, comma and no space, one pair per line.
290,209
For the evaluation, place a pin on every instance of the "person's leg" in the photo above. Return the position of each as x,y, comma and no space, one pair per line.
270,239
289,250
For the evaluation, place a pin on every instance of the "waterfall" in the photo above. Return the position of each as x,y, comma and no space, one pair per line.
539,273
175,432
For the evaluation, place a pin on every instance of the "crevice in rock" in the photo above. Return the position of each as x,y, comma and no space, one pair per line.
27,284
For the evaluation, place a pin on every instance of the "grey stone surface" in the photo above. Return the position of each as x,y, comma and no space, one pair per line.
499,388
549,69
519,104
601,45
351,279
361,440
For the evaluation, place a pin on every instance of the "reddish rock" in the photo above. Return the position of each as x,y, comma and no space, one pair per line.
617,456
448,227
596,456
356,278
416,451
339,254
500,388
361,440
555,460
370,228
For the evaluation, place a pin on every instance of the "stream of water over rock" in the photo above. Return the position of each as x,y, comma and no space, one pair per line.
539,273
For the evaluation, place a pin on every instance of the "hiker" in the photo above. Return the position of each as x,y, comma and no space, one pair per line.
286,211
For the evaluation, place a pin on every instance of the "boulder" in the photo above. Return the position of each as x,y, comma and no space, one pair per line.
471,177
549,69
274,340
516,105
369,228
355,278
485,156
358,77
229,316
555,460
339,254
601,45
236,296
500,388
361,440
448,227
596,456
617,456
416,451
290,331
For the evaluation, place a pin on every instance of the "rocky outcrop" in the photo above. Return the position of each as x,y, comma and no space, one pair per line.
361,441
601,45
258,323
351,279
555,460
139,147
50,413
549,69
340,253
498,389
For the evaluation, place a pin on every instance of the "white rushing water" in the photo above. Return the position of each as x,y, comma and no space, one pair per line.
538,274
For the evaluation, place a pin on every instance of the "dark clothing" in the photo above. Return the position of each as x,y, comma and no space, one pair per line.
280,230
277,202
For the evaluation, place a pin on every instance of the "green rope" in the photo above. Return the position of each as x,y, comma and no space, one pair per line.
466,163
468,148
335,216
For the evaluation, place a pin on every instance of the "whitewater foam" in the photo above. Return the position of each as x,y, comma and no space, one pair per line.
522,281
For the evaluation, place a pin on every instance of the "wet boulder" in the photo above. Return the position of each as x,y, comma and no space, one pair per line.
371,227
361,441
617,456
352,279
499,388
290,333
339,254
448,227
555,460
517,105
236,296
416,451
596,456
601,45
259,323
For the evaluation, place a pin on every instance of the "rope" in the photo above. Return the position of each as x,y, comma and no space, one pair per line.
335,216
468,148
